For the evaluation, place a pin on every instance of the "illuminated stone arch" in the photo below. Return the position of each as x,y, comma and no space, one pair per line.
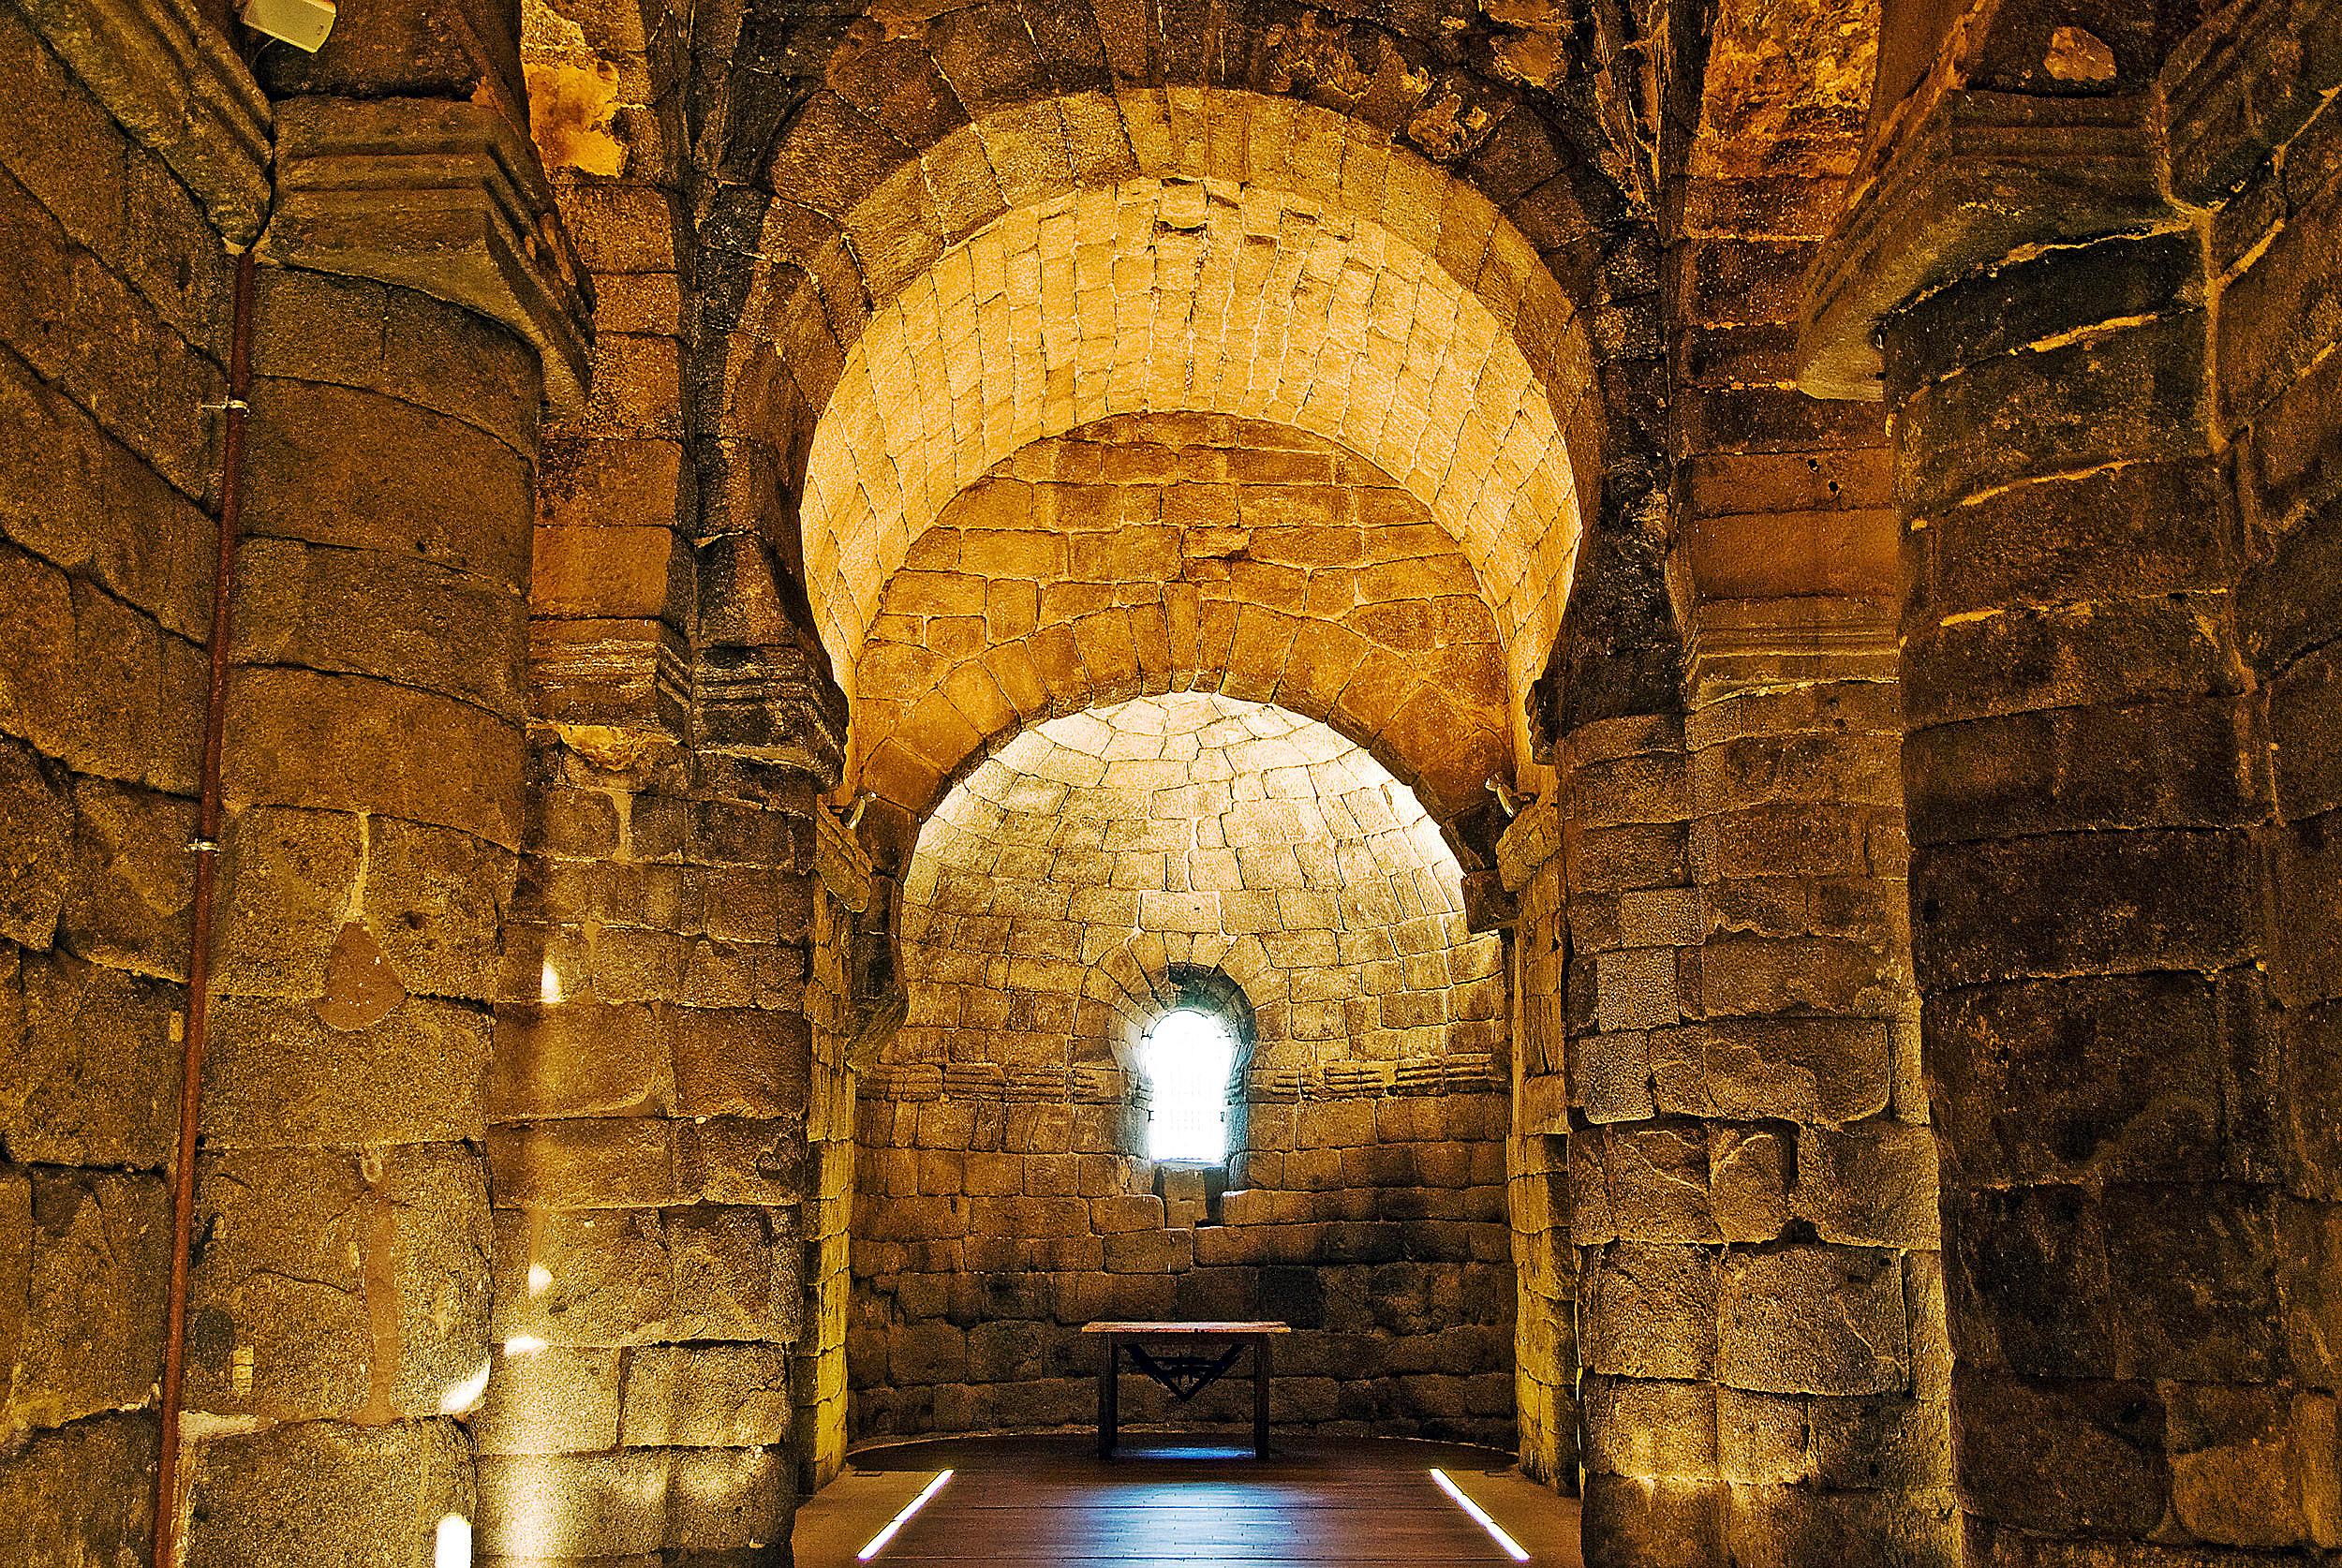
1274,258
1173,553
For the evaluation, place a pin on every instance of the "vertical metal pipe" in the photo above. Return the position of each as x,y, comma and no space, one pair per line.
206,847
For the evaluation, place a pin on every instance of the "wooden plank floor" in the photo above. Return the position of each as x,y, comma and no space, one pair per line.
1026,1502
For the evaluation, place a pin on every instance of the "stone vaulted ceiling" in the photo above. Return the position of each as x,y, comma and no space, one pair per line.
929,238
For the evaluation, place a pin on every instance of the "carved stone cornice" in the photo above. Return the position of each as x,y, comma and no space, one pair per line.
1741,644
770,704
175,84
631,675
760,690
1956,180
445,198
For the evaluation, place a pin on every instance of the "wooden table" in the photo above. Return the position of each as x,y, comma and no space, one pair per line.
1185,1372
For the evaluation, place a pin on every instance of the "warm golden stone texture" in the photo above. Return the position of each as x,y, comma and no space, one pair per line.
1711,626
1173,551
1071,890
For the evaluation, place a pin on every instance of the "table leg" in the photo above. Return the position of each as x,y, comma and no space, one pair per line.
1260,1395
1109,1388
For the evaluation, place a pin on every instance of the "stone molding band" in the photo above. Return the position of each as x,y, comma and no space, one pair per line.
1957,180
1465,1073
448,199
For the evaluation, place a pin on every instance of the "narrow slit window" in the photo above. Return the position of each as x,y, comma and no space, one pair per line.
1188,1055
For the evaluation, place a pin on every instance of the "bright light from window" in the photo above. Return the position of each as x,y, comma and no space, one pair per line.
452,1548
1188,1058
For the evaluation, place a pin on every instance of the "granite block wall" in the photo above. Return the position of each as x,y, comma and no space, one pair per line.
2108,467
113,334
1094,874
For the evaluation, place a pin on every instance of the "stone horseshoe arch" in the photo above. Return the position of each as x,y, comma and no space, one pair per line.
1412,319
1155,553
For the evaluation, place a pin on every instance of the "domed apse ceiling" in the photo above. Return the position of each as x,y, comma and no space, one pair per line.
1061,885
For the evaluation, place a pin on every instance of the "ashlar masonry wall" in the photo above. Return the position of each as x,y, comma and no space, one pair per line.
1097,871
104,578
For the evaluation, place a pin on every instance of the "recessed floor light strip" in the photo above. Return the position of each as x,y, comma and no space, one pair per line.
1496,1532
878,1541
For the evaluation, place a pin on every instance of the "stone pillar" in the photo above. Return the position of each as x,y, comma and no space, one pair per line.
1545,1263
2138,1240
1751,1183
137,139
854,1003
1800,1046
1646,1279
654,1086
338,1333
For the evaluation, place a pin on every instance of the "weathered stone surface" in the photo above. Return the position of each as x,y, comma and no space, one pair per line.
102,1080
1651,1429
133,878
2239,1458
728,1498
613,1163
2133,901
436,1274
1650,1312
37,824
1655,1182
1787,1525
279,1320
1871,1185
578,1057
2119,1074
740,1061
16,1268
744,1269
710,1396
2223,1238
92,1334
1823,1070
371,613
1667,1524
1812,1320
2094,1466
550,1399
80,1494
435,900
608,1277
1748,1182
286,882
2026,1280
300,738
567,1506
369,1494
279,1076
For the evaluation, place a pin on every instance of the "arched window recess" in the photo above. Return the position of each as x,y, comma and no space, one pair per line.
1190,1059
